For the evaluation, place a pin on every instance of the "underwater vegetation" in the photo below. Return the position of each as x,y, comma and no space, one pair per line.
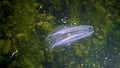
68,34
25,24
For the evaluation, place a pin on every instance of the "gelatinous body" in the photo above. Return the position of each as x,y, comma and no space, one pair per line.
67,35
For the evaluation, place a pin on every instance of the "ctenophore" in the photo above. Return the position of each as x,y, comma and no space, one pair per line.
68,34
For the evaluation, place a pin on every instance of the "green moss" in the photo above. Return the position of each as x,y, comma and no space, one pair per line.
24,25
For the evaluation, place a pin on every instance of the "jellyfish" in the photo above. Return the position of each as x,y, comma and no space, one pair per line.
68,34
